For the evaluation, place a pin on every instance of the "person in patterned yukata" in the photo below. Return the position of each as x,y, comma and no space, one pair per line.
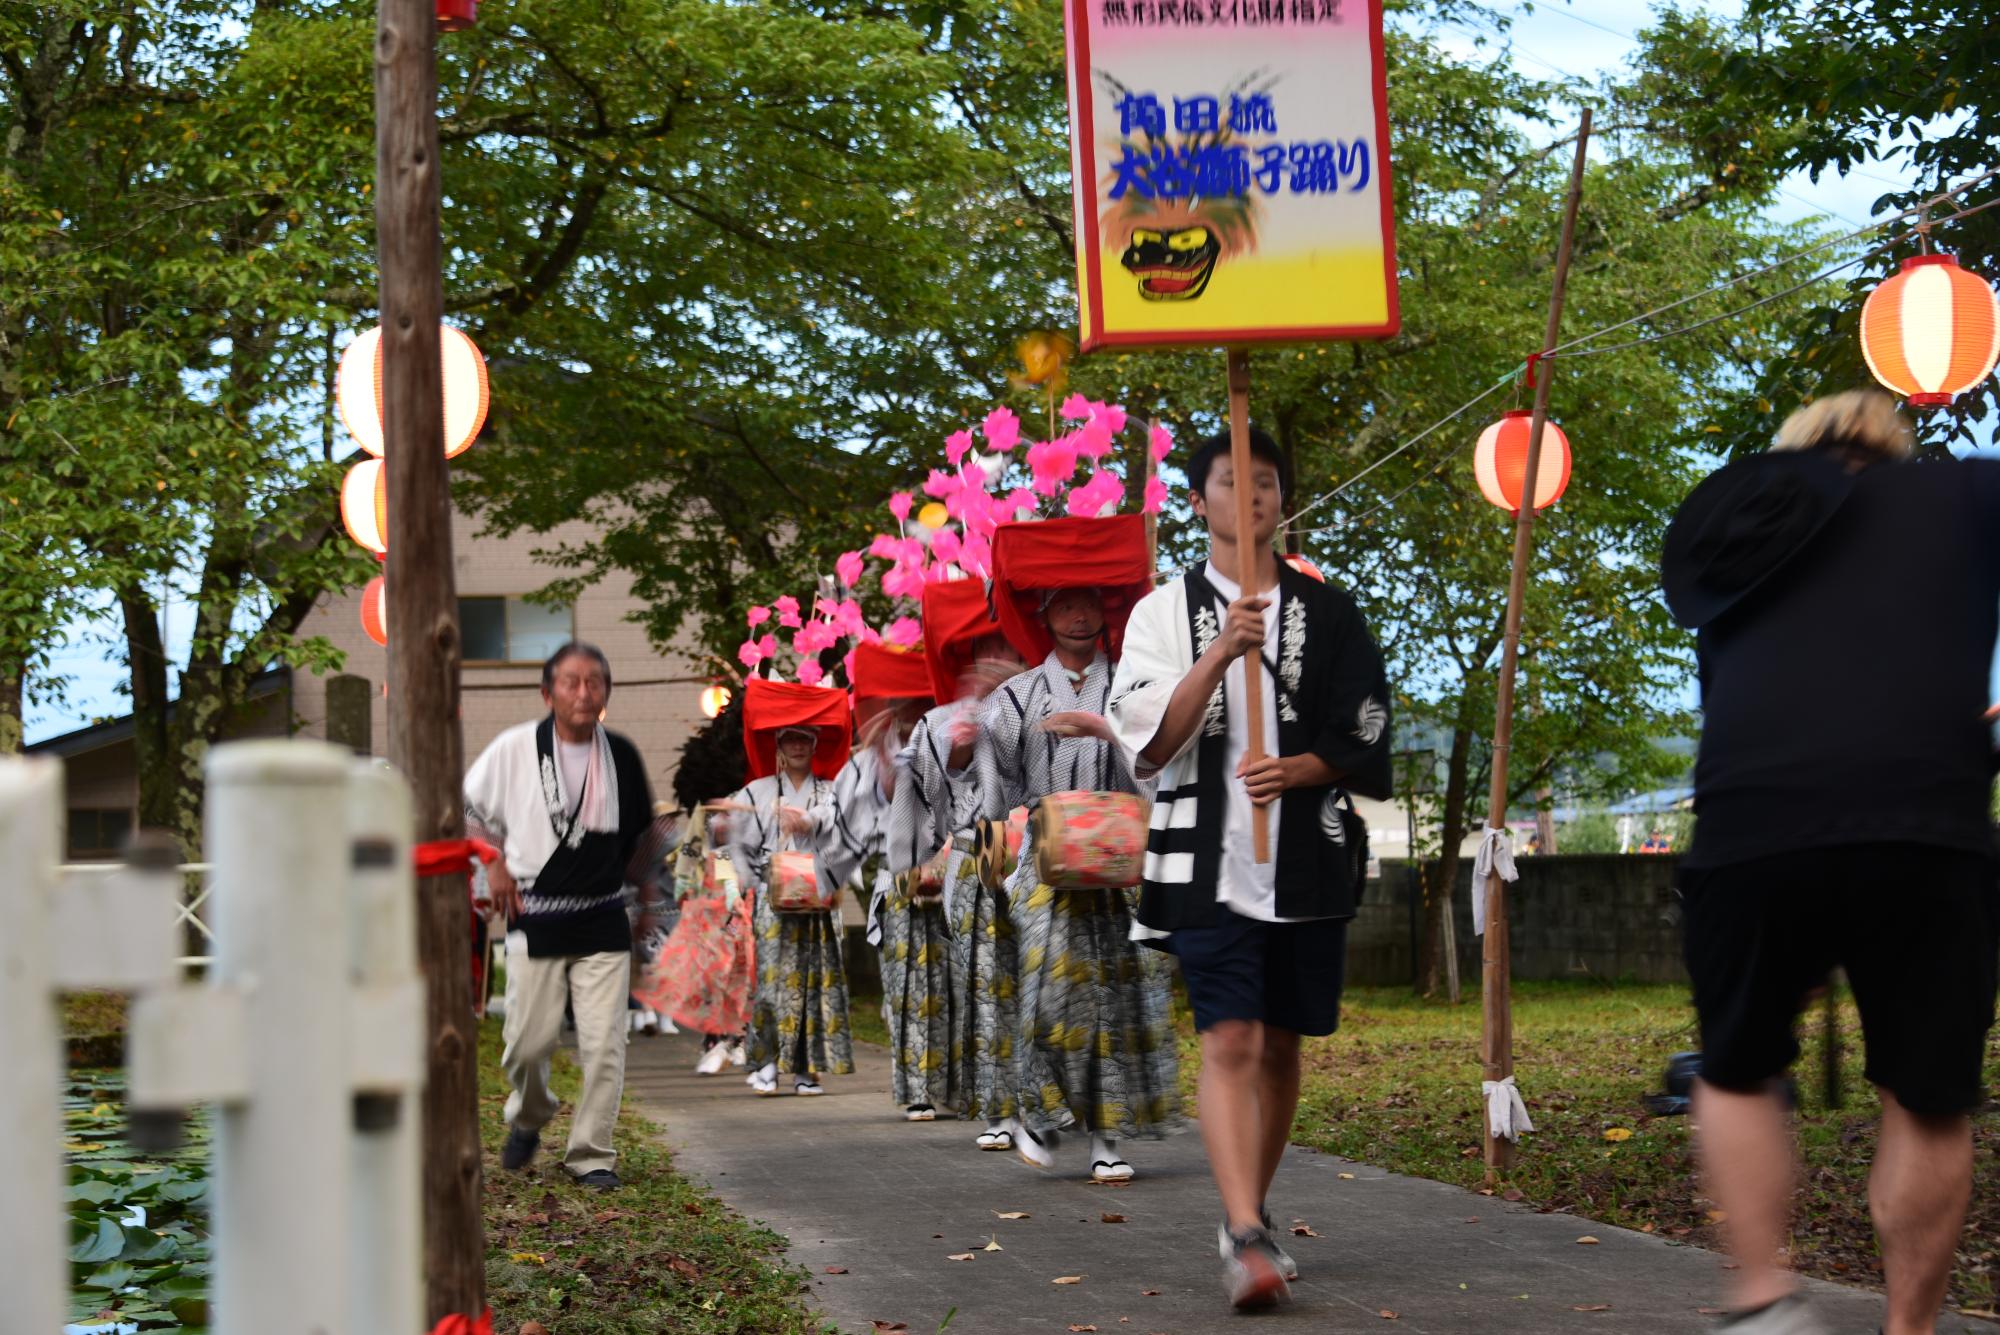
1095,1042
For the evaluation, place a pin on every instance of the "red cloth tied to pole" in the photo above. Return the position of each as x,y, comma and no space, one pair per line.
771,705
1033,556
956,617
459,1324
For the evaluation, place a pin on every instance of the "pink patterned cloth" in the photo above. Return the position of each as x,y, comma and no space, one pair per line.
705,972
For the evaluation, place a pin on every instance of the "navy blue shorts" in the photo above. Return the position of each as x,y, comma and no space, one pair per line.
1284,974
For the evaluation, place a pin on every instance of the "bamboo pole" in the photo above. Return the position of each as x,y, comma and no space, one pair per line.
1246,580
425,741
1496,992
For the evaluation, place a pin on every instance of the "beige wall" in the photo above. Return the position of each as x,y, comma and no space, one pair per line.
656,714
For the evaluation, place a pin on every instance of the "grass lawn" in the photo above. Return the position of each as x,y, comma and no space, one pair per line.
1398,1087
661,1254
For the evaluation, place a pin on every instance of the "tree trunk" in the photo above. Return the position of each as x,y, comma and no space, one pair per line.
1442,883
10,711
155,754
425,741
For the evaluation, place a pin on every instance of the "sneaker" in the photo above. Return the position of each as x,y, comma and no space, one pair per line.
520,1147
806,1085
920,1112
1250,1270
712,1061
1286,1265
737,1056
599,1179
1790,1315
1035,1151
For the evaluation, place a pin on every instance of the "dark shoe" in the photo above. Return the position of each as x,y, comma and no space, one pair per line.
600,1179
520,1147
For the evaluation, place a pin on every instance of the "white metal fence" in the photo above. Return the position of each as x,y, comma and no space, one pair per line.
306,1034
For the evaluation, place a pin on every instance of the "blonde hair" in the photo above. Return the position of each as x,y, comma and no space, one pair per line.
1863,420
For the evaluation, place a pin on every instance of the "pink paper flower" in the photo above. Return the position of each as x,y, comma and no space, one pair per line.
899,505
788,610
1156,495
904,581
1099,496
768,646
749,655
868,636
1002,429
1019,501
1076,408
1112,415
940,484
975,556
945,546
847,615
848,569
904,630
811,673
1160,440
956,445
759,615
1093,442
911,552
848,662
1053,463
886,545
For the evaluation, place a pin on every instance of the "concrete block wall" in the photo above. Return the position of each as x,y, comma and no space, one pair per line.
1607,916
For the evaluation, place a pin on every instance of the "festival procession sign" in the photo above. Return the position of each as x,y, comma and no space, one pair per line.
1230,174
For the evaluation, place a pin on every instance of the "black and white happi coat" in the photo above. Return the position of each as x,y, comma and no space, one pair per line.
1332,701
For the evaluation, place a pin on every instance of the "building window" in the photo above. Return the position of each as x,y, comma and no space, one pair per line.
96,833
512,630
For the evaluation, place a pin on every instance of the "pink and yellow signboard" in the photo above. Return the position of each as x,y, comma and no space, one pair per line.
1230,165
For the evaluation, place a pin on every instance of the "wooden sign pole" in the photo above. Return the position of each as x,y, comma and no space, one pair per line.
1147,469
1246,579
425,741
1496,1049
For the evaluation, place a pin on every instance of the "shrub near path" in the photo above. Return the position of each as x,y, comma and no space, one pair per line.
659,1254
1398,1087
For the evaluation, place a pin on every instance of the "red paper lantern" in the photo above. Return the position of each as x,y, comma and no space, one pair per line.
358,390
364,505
457,15
714,700
1500,461
1932,331
374,614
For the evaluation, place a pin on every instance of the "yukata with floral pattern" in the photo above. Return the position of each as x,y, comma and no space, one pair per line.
1095,1033
798,1020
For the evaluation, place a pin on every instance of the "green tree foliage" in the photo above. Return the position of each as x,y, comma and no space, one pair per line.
1837,88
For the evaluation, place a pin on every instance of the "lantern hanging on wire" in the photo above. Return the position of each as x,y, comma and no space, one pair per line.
456,15
375,612
364,505
1931,331
358,390
714,700
1500,461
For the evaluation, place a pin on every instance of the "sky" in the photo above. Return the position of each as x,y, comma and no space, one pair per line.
1554,37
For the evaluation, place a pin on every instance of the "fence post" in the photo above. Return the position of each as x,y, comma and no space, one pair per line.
276,833
387,1241
33,1229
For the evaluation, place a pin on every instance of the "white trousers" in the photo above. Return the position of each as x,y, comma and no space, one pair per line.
596,987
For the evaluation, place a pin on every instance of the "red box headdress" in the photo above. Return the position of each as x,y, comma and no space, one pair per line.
770,706
1032,557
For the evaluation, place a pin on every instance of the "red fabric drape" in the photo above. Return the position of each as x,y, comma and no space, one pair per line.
1032,556
956,616
771,705
441,857
884,672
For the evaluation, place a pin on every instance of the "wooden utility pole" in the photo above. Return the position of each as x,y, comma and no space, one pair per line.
1246,581
424,737
1147,469
1496,1049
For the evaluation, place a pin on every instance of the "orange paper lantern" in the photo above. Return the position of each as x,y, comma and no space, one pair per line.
1932,331
374,612
1500,461
358,390
364,505
714,700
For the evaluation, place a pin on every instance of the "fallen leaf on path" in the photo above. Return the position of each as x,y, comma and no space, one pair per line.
1472,1218
1010,1214
1301,1229
959,1256
1108,1218
1614,1134
1646,1227
1388,1315
1592,1307
1149,1293
1486,1191
528,1258
608,1216
1513,1194
889,1327
993,1245
533,1328
1732,1265
1067,1279
1586,1241
836,1270
1346,1177
1711,1311
1075,1327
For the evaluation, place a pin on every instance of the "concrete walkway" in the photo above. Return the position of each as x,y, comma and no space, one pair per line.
889,1203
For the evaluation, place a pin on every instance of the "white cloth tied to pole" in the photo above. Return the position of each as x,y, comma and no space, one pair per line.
1506,1115
1496,854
